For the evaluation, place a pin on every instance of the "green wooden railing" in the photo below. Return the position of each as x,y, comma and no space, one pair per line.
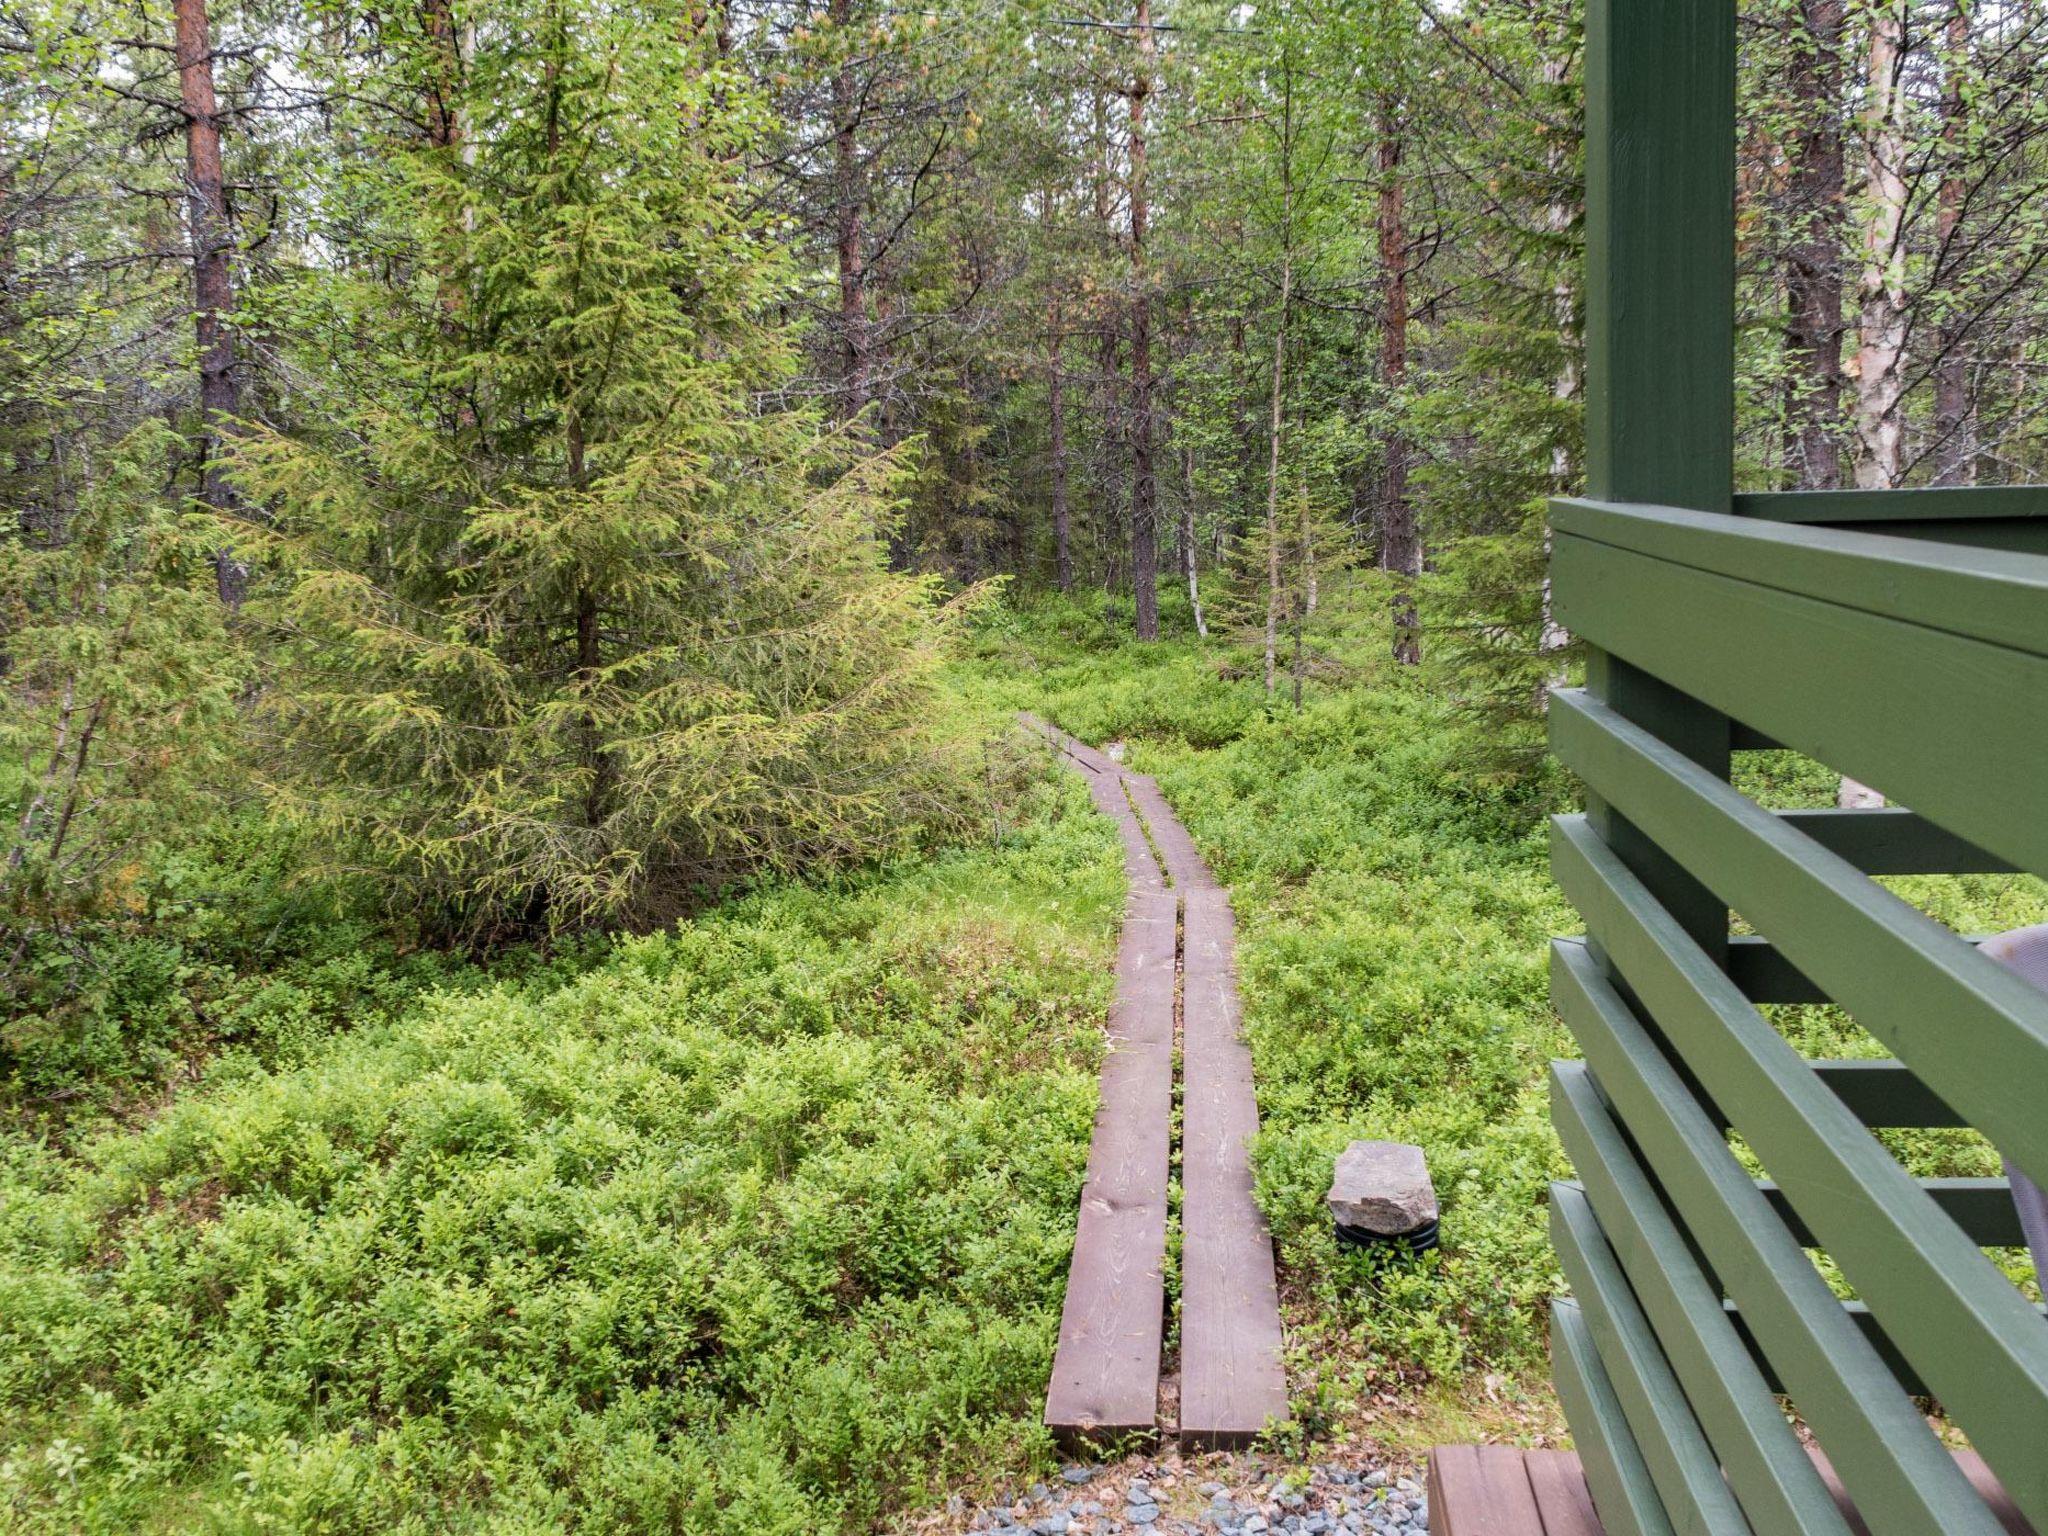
1902,639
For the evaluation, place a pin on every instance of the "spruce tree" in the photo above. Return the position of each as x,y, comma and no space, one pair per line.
586,618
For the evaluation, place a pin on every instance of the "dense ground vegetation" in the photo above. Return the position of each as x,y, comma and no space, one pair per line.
759,1225
538,987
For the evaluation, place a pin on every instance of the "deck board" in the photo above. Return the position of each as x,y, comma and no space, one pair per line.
1497,1490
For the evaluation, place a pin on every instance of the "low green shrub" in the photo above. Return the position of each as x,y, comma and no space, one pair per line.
758,1226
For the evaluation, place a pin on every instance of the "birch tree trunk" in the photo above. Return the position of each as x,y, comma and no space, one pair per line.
1187,539
1056,402
1881,326
1955,416
1813,263
213,280
849,186
1276,417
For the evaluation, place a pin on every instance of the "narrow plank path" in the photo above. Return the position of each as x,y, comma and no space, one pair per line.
1106,1372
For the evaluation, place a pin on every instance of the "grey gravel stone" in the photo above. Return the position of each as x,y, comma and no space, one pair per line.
1076,1475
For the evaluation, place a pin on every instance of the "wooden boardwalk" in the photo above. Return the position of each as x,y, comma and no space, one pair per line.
1175,966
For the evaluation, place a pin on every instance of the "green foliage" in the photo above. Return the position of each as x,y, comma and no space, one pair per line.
121,685
755,1226
580,624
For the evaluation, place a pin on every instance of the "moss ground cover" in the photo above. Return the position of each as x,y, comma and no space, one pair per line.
759,1226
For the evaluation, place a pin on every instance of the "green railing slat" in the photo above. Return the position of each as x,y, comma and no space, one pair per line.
1766,1465
1974,1032
1895,717
1892,841
1624,1494
1951,1311
1981,1208
1902,1477
1929,504
1985,594
1682,1464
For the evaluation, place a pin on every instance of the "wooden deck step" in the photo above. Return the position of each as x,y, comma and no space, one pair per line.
1497,1490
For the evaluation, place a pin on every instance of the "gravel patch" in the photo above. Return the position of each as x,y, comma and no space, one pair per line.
1252,1494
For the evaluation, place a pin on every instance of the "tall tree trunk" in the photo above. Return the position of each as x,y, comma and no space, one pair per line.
1558,217
1276,415
1881,353
1881,292
1187,539
1955,416
213,278
1400,541
1144,480
1056,391
850,196
1813,263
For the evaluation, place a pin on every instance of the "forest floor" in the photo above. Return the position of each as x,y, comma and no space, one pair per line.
759,1226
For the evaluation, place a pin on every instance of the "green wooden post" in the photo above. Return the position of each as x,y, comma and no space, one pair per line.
1660,337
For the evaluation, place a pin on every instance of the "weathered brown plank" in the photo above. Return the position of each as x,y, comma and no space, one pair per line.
1184,864
1562,1497
1233,1384
1484,1490
1105,1378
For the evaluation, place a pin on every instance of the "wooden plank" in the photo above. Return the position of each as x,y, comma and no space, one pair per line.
1842,1387
1482,1490
1766,1465
1232,1382
1973,1031
1660,276
1918,505
1622,1489
1986,594
1660,251
1681,1463
1964,1326
1982,1208
1105,1377
1184,863
1894,841
1881,698
1562,1497
1105,787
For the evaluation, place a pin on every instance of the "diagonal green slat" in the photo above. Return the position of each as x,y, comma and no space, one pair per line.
1623,1492
1682,1464
1880,698
1965,1327
1880,1444
1767,1467
1975,1033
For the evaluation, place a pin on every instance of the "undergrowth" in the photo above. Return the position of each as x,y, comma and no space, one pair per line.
758,1225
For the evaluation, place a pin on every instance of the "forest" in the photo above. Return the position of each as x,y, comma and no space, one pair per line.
541,986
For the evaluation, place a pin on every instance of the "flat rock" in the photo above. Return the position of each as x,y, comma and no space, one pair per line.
1382,1187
